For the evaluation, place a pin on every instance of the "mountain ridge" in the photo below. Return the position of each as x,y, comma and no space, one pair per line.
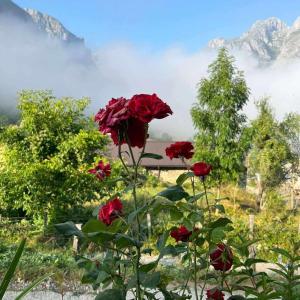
270,40
39,21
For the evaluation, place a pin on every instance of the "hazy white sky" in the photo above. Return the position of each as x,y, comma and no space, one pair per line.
28,61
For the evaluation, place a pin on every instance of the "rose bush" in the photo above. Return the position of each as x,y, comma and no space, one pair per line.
198,235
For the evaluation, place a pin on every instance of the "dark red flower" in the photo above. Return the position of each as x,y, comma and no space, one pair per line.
180,150
148,107
110,211
101,170
214,294
117,120
181,234
201,169
221,258
111,117
136,131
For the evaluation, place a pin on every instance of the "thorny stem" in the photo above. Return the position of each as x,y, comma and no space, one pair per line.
206,198
205,278
189,274
138,247
121,158
195,272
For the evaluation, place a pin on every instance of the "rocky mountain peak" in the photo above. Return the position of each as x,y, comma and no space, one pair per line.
268,40
52,27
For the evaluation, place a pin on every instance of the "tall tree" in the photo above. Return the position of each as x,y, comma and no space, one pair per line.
221,138
45,157
270,151
291,129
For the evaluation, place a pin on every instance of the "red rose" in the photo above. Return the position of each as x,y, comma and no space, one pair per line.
148,107
214,294
136,131
110,211
111,117
180,150
101,170
181,234
221,258
117,120
201,169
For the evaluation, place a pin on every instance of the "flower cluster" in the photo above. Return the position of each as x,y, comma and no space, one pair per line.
110,211
180,150
127,120
101,170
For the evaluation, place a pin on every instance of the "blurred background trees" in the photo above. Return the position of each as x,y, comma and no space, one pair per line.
45,156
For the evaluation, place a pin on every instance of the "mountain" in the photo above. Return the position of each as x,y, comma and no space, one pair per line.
35,20
52,27
269,41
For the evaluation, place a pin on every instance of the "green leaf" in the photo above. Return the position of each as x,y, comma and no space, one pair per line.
111,294
220,208
161,242
221,222
174,193
151,280
93,226
175,214
195,217
124,241
101,237
251,261
102,276
151,155
196,197
29,288
183,177
132,215
282,252
68,228
217,234
148,267
12,268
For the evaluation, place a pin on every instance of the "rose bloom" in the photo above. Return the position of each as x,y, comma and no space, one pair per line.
201,169
136,131
221,258
110,211
122,117
111,117
214,294
101,170
181,234
148,107
180,150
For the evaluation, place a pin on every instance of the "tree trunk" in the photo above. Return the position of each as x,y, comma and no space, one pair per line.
292,204
45,217
260,191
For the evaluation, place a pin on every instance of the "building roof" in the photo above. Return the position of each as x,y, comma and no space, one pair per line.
152,146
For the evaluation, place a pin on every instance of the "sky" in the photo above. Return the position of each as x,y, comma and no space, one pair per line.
141,46
156,25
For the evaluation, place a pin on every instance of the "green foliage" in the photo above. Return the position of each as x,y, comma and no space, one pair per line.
44,159
221,138
270,151
11,272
